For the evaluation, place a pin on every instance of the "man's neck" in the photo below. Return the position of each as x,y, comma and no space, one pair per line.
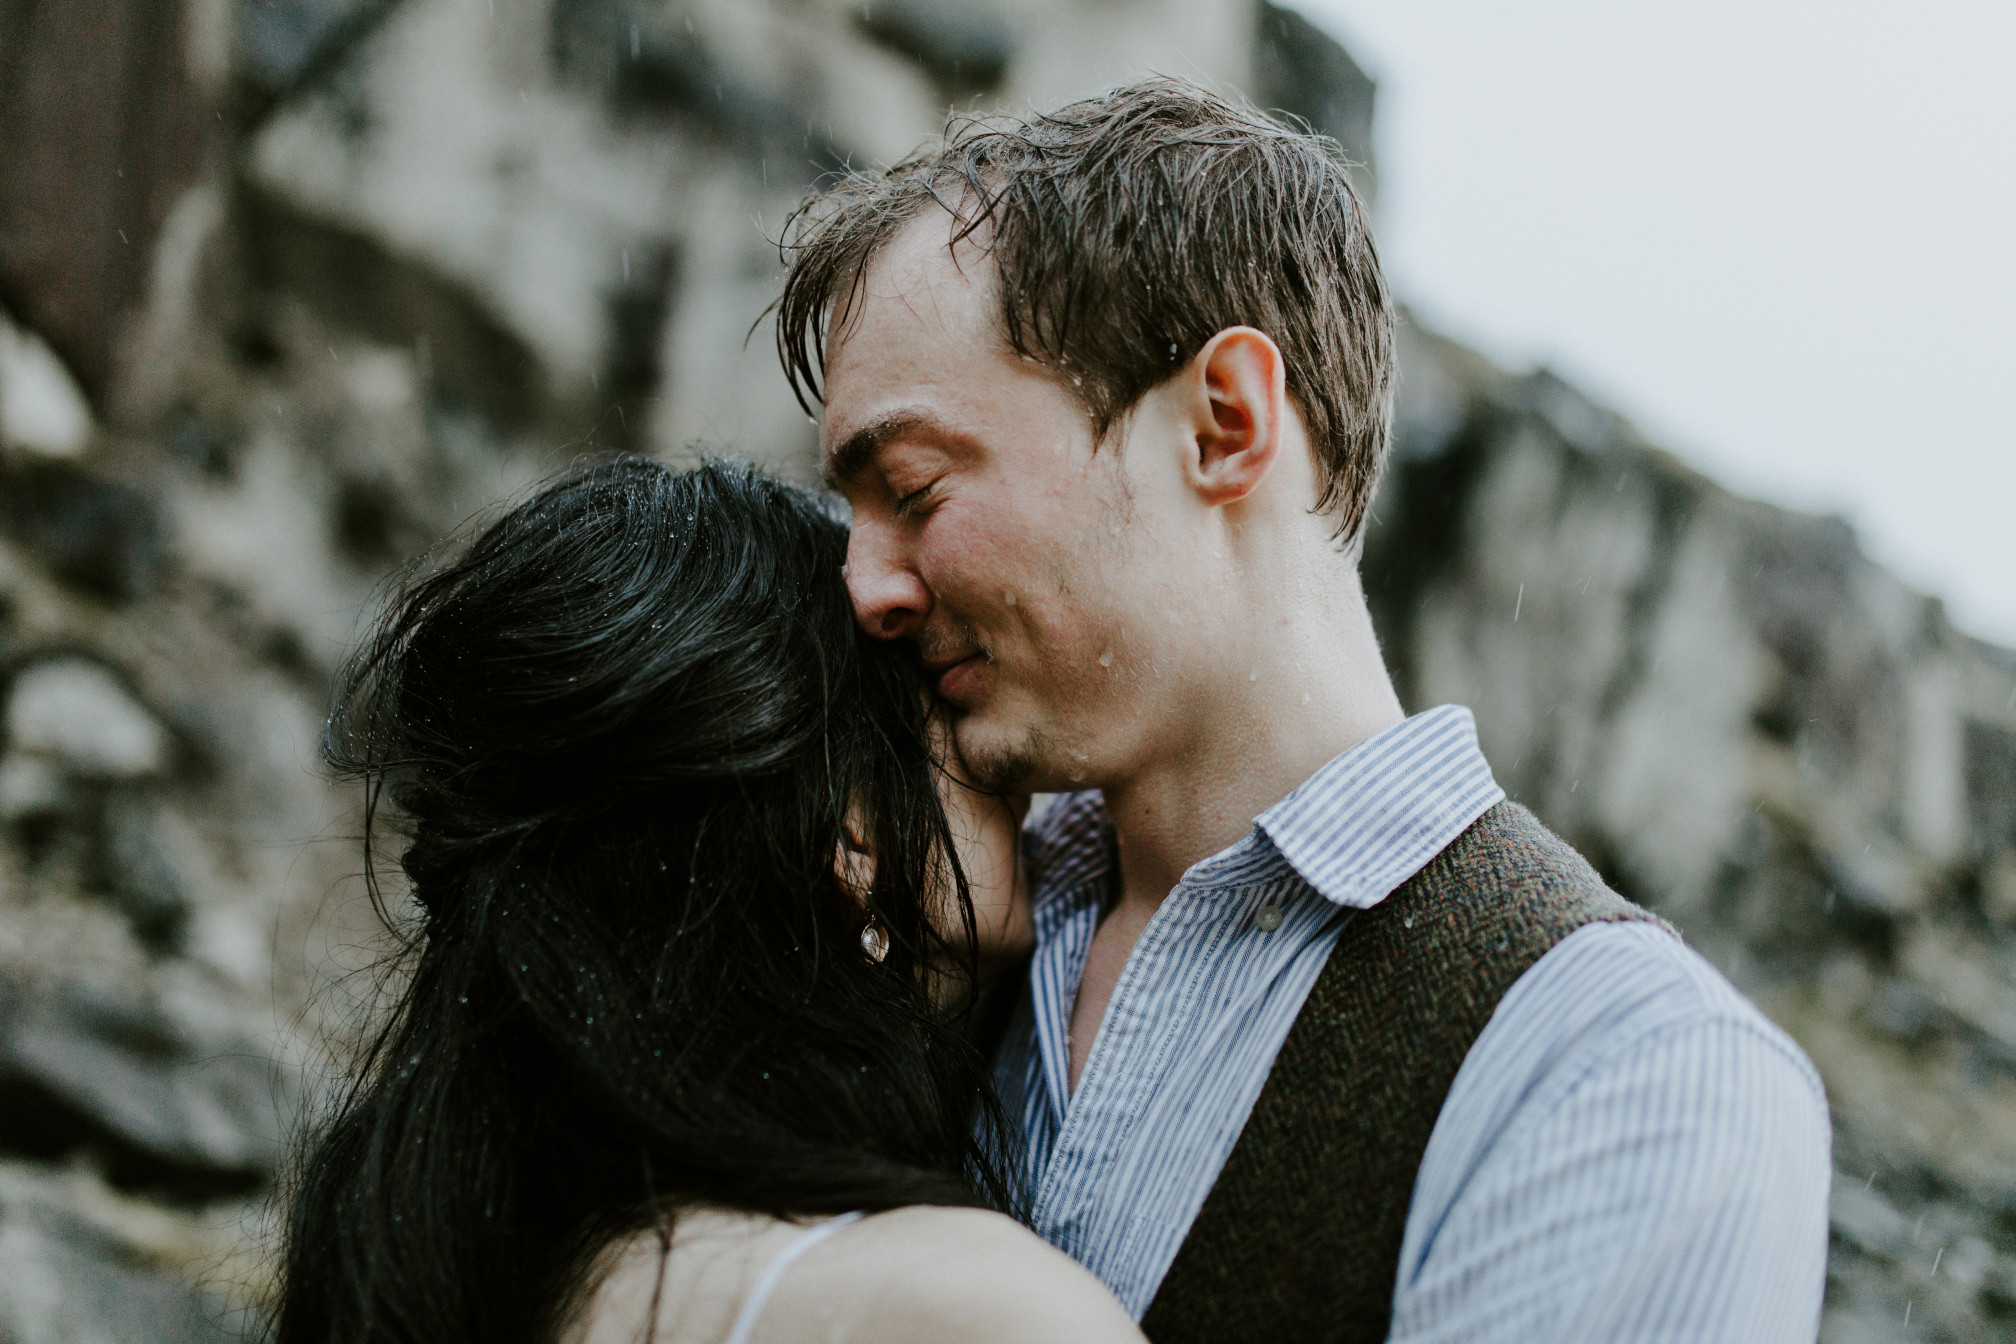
1320,689
1313,687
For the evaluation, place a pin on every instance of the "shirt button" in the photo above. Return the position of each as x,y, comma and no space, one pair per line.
1267,918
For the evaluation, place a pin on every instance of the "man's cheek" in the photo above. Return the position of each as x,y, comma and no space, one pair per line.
968,571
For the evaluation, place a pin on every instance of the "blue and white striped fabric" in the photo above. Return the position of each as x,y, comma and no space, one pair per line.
1629,1152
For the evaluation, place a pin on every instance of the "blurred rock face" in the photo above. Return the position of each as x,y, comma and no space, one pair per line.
1750,727
291,288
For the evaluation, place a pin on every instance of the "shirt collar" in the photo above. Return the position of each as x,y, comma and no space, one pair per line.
1354,831
1376,814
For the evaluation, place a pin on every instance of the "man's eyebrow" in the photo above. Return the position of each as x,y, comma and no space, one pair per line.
857,451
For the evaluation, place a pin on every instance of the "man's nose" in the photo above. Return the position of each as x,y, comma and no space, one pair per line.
890,600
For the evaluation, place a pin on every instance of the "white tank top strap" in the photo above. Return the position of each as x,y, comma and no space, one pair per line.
774,1271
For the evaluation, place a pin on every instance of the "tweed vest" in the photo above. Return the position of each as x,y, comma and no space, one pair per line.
1299,1239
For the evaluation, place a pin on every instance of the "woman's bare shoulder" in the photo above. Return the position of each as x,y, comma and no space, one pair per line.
932,1275
695,1281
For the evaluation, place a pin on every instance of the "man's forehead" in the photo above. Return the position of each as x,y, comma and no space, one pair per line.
937,249
919,336
920,286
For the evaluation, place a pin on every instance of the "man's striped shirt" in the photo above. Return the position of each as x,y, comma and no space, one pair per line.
1630,1151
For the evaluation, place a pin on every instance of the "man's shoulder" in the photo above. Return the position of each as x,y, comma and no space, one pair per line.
1627,1118
1613,988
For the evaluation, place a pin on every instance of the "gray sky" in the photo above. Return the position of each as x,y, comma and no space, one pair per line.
1778,234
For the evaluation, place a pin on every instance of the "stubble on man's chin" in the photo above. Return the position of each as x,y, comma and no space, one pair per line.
997,766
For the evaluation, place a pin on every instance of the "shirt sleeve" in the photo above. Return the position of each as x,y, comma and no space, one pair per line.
1639,1155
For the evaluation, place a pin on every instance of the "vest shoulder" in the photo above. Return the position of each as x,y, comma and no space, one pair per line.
1509,854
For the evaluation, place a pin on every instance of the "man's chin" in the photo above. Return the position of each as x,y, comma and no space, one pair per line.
997,758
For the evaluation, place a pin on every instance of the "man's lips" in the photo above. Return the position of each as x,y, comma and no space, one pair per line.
949,674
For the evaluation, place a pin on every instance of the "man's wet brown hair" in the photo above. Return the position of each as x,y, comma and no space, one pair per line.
1128,229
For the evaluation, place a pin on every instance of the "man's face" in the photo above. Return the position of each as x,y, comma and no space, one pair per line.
989,526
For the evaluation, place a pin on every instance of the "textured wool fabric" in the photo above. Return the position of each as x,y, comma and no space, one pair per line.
1300,1237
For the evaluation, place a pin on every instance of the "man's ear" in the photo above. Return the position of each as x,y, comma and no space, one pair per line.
1237,397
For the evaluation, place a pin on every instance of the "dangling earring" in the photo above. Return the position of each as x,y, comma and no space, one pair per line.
874,941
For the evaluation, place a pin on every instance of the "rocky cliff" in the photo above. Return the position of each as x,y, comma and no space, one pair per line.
1750,727
290,287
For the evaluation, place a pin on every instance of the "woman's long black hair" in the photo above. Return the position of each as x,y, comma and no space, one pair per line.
625,733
